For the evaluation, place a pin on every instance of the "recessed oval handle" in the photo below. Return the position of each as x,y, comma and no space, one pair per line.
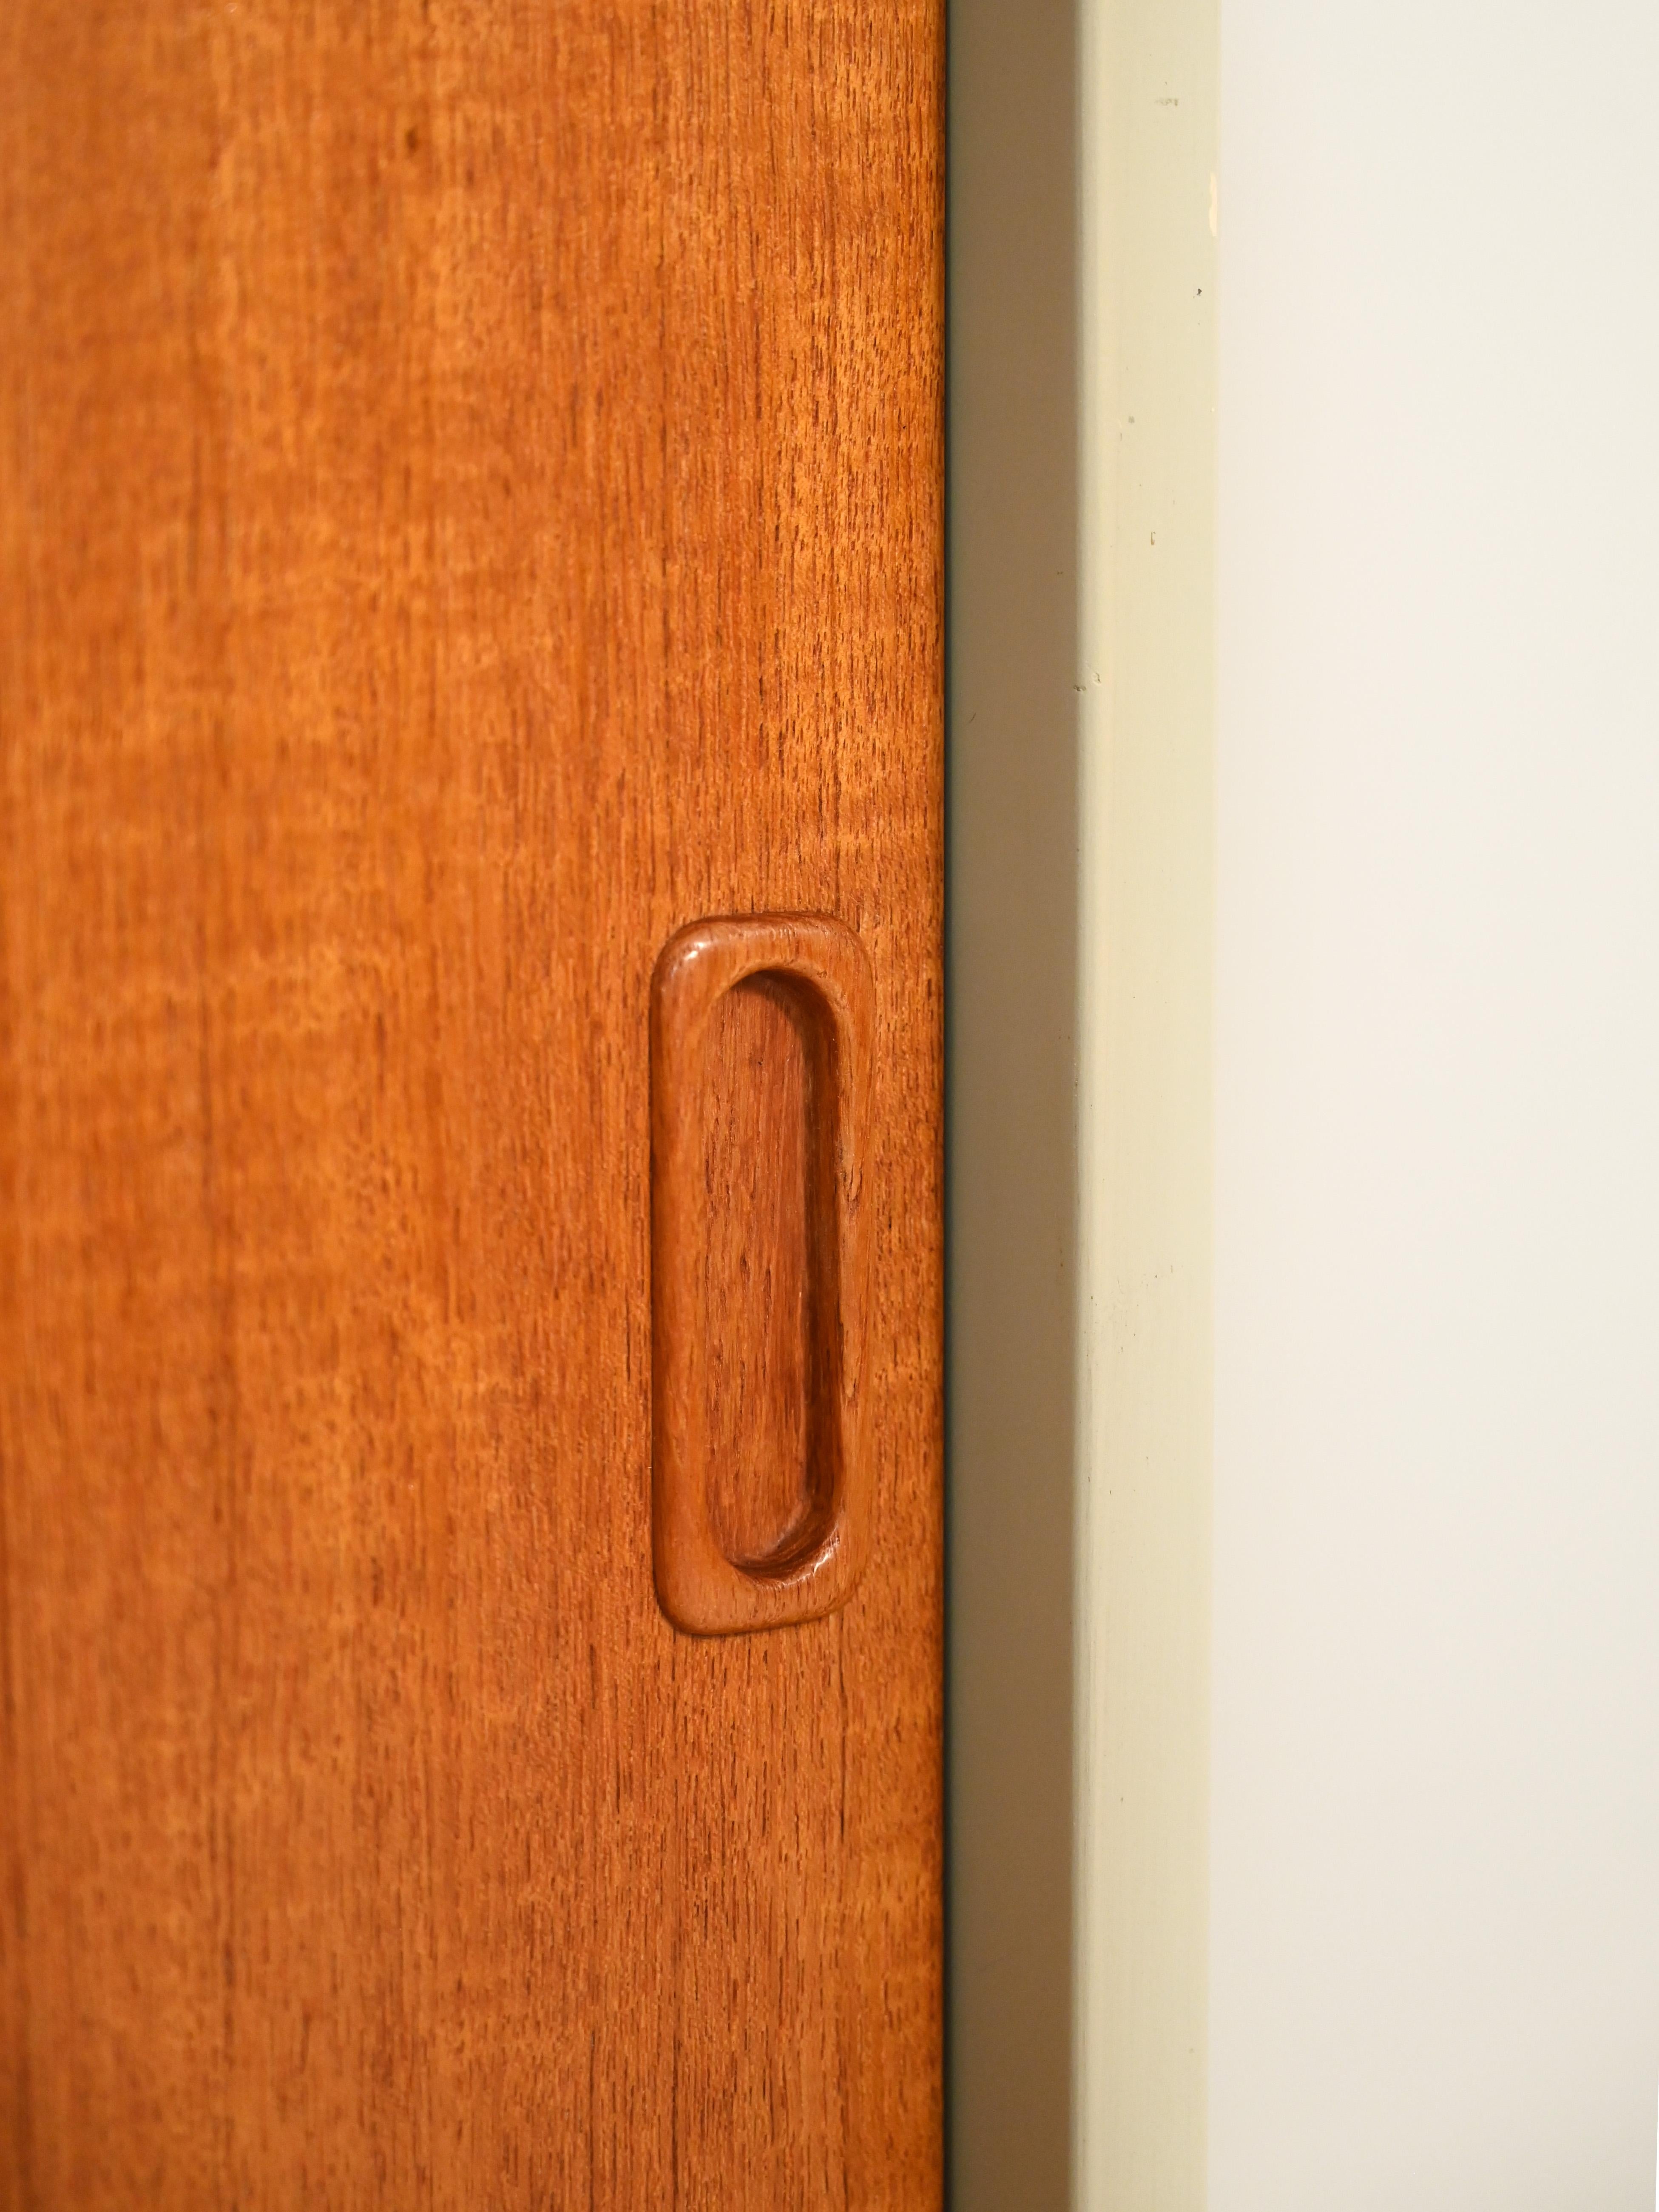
761,1041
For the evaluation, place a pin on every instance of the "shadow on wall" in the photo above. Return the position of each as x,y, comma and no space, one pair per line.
1012,891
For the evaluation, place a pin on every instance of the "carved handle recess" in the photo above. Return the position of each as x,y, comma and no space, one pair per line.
761,1041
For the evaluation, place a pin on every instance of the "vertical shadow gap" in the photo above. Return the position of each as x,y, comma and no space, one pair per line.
1012,905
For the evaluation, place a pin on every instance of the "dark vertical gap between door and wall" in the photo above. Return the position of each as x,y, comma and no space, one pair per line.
1011,892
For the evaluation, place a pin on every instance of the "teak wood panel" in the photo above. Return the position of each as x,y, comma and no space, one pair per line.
468,506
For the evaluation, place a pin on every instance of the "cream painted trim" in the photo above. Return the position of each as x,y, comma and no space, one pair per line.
1148,72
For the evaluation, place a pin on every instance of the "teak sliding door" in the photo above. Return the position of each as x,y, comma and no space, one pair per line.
470,511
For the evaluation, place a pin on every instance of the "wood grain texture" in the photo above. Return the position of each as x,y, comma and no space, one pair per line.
762,1046
470,490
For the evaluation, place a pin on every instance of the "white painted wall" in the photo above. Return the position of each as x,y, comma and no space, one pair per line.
1434,1963
1387,1696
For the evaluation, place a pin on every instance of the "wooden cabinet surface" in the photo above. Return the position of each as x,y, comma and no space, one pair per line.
469,506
